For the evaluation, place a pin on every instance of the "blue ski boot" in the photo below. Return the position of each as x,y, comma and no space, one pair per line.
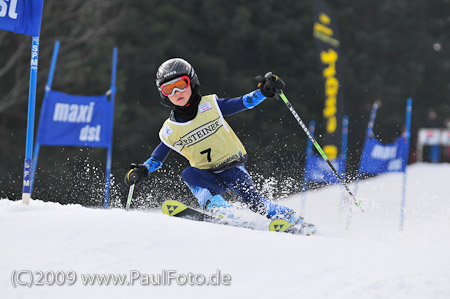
275,211
219,207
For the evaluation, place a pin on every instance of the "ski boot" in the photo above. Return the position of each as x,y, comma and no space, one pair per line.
219,207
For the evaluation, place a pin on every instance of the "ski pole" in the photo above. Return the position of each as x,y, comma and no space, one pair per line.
319,149
130,196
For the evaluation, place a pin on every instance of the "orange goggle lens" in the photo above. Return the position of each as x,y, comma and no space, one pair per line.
179,84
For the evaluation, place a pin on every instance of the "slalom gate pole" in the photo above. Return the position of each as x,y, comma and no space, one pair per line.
407,137
112,93
27,167
369,133
320,150
130,196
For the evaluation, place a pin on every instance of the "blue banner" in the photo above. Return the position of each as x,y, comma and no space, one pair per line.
380,158
21,16
72,120
317,170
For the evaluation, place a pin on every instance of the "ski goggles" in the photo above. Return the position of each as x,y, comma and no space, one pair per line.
178,84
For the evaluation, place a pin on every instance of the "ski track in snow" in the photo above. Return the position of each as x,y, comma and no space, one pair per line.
372,259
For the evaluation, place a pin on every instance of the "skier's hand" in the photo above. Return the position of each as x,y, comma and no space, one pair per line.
136,174
270,84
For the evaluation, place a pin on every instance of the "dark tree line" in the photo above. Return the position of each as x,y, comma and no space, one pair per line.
390,50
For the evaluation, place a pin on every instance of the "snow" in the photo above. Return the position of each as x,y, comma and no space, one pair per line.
372,259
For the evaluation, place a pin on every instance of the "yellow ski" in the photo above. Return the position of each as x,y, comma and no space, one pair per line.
279,225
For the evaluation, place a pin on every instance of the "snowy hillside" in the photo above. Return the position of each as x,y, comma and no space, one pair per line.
370,260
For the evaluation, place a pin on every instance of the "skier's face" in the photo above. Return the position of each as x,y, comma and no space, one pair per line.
180,98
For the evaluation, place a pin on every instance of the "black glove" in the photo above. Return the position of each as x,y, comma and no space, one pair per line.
270,84
136,174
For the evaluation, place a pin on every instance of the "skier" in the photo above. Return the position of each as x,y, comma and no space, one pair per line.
197,130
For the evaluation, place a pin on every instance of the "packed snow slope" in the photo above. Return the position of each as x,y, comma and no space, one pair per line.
372,259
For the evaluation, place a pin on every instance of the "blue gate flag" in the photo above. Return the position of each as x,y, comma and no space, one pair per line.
73,120
318,170
21,16
380,158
